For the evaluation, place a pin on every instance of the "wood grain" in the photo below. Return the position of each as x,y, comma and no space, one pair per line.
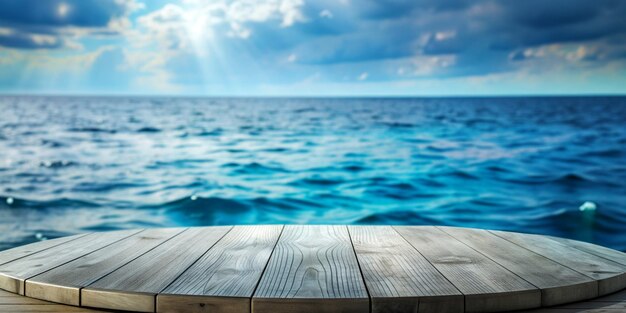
609,254
558,284
7,256
399,278
312,266
611,276
13,274
487,286
134,286
224,279
57,286
13,303
313,269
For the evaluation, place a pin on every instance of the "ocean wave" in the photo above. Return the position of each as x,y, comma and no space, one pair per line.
63,203
513,164
253,168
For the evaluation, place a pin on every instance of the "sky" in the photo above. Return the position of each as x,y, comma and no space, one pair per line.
313,47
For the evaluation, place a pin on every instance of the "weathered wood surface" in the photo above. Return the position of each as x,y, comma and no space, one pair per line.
134,286
558,284
398,277
487,286
62,284
312,268
609,254
14,273
13,303
10,302
224,279
614,303
20,252
611,276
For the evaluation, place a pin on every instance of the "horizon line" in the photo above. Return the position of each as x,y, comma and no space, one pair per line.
328,96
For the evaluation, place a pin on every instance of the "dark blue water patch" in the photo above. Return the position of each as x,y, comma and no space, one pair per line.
149,130
7,202
318,181
105,186
196,211
52,143
606,153
354,168
92,130
178,164
58,164
398,218
253,168
276,150
209,133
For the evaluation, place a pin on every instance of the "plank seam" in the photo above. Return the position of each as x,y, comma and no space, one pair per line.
256,286
433,265
356,256
589,252
573,269
494,261
35,252
80,289
194,262
26,279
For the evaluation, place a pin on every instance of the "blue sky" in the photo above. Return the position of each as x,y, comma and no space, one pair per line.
313,48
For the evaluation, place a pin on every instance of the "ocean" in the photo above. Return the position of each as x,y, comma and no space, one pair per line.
545,165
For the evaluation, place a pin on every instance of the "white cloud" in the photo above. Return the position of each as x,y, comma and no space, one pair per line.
445,35
326,14
292,58
363,76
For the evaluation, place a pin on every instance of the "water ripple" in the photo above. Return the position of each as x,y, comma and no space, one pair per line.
76,164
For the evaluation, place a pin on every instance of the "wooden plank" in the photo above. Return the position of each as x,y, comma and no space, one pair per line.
224,279
10,302
611,276
7,256
312,268
34,308
58,285
13,274
17,299
487,286
603,252
398,278
558,284
134,286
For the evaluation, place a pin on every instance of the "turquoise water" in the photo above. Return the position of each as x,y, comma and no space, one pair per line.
78,164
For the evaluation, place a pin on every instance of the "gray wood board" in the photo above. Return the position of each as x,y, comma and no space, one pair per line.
487,286
7,256
399,278
57,286
558,284
312,263
13,274
134,286
224,279
611,276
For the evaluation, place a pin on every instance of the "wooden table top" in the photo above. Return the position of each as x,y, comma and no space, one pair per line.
312,268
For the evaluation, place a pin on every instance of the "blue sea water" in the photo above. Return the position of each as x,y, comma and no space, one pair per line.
554,165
